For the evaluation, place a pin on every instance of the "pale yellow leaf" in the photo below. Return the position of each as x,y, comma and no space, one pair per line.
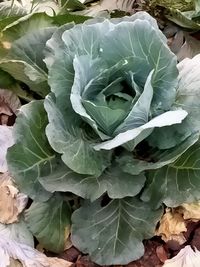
15,263
12,202
172,226
56,262
190,211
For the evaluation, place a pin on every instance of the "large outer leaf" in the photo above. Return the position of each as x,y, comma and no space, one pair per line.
113,234
188,98
48,222
68,138
55,44
114,181
13,29
25,25
188,95
31,156
25,60
176,183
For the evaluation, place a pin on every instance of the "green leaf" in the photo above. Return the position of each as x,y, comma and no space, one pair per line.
138,49
85,69
113,234
176,183
25,60
31,156
139,133
72,142
55,44
182,5
17,232
70,17
48,222
139,114
107,119
22,71
25,25
161,158
114,181
8,20
83,39
6,79
179,18
188,95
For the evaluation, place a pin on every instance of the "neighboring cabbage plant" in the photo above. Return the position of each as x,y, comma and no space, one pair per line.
119,129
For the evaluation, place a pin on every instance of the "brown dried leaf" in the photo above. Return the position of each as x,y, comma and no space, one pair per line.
9,104
56,262
187,257
12,202
189,49
161,253
68,242
15,263
98,7
172,226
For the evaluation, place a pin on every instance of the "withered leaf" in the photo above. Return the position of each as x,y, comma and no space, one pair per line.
190,211
187,257
12,202
172,226
9,104
11,250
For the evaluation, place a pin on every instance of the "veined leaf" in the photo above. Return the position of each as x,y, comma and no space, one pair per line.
106,232
31,156
167,118
77,151
48,221
178,182
135,166
114,181
25,60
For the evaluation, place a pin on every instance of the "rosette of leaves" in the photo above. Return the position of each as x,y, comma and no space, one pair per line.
118,129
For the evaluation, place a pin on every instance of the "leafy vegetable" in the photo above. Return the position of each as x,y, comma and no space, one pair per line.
118,127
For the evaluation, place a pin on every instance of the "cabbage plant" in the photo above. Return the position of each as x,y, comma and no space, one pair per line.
118,135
